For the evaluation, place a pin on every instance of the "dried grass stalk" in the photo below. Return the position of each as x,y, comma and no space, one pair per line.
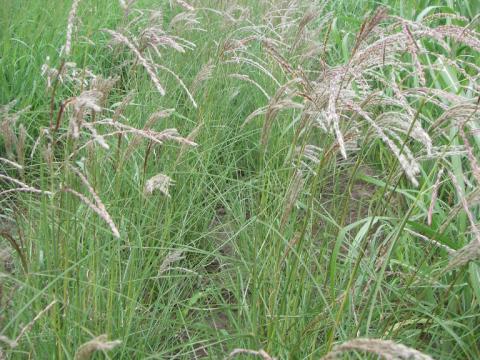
148,125
180,82
269,47
405,159
154,37
186,20
414,50
104,215
44,132
261,353
13,180
141,59
190,137
32,322
87,100
431,241
283,99
23,187
100,343
309,16
367,27
104,85
120,107
10,343
250,80
11,163
291,245
386,349
463,256
156,136
203,75
98,207
71,20
185,5
96,136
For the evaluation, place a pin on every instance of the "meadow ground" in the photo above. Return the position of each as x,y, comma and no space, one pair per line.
244,178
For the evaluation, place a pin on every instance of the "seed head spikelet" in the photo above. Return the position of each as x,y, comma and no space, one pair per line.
71,21
141,59
97,206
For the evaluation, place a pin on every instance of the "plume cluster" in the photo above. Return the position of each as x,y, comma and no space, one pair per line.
147,37
87,111
366,95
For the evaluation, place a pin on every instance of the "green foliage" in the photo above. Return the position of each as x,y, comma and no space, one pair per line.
221,264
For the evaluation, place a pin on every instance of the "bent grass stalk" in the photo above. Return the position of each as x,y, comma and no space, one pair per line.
364,245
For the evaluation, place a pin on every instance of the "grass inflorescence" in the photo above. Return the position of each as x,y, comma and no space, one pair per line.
270,179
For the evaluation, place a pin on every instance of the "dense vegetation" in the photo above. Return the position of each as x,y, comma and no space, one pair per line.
279,179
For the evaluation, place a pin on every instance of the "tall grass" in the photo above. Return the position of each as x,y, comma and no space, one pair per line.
205,179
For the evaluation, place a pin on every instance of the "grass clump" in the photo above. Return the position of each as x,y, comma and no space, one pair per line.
197,179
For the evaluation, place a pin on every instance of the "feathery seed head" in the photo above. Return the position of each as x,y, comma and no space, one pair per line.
159,182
